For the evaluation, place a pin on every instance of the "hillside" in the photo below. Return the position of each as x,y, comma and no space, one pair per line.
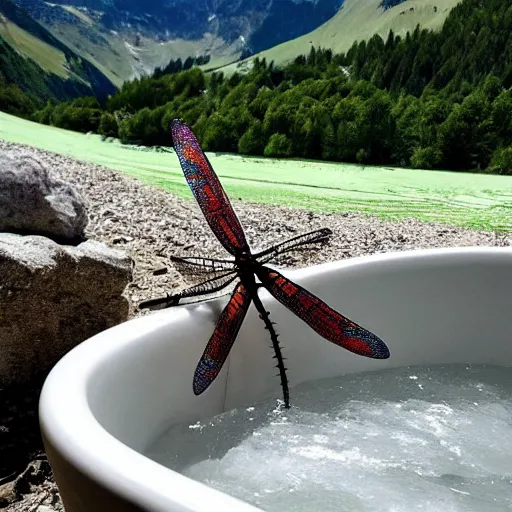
359,20
126,39
42,65
119,55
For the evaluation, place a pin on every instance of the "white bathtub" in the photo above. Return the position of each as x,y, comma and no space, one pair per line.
111,396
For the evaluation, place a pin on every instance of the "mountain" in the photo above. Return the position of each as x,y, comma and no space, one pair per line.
124,39
359,20
40,64
227,19
127,38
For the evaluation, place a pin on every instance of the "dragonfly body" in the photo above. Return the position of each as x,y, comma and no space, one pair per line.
242,271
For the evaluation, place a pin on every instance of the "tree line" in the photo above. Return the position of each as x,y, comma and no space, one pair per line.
426,100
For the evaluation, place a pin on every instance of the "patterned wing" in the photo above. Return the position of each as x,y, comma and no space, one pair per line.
207,189
226,331
320,317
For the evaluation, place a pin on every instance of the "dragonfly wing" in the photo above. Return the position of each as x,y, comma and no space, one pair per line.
209,287
226,331
198,266
304,241
199,292
207,190
327,322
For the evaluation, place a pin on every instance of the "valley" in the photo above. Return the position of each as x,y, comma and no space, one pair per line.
123,41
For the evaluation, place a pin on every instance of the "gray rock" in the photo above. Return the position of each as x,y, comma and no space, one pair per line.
32,201
7,494
53,297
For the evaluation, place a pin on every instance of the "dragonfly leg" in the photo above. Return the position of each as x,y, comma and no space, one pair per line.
265,316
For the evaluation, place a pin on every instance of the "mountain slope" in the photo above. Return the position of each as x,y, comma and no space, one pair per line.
228,19
39,63
359,20
127,38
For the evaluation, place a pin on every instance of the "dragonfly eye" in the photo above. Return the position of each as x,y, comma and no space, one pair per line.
244,258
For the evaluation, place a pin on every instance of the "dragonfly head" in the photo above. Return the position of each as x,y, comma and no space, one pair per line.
244,260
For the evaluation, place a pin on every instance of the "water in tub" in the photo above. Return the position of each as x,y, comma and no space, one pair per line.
424,439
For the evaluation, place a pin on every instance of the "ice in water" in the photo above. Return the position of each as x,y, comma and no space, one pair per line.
433,439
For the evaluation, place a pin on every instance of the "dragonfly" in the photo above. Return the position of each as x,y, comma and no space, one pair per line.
244,274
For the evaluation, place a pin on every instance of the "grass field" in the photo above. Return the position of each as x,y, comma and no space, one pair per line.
463,199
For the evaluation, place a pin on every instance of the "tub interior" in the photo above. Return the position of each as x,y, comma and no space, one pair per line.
452,307
421,438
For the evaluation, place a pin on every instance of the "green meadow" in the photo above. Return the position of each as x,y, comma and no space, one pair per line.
478,201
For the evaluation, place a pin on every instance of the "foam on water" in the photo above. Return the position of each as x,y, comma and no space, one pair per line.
410,439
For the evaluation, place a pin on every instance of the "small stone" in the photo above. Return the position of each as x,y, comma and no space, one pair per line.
160,271
7,494
122,239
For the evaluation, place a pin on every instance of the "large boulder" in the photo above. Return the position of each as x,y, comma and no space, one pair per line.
53,297
32,201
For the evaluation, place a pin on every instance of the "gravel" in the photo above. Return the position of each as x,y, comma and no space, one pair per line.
151,225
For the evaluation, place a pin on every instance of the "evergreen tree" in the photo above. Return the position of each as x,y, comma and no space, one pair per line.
253,141
279,146
108,125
